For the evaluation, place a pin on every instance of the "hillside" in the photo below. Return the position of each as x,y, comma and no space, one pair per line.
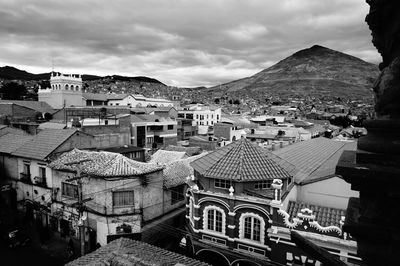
317,71
12,73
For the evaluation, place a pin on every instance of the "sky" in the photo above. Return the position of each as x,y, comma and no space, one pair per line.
184,43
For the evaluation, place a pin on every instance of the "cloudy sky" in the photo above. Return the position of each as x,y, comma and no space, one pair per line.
179,42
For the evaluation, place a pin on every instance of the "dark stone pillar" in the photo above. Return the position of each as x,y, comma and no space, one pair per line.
374,169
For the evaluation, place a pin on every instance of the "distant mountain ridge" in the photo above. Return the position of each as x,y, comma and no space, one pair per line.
313,70
12,73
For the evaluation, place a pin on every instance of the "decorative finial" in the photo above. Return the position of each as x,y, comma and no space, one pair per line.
231,190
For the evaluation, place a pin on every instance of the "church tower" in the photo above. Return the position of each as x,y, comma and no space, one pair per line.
64,91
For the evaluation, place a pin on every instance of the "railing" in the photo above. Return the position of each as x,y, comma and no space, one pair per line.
40,181
26,178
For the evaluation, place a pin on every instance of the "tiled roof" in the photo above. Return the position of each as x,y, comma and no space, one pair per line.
104,164
325,216
176,172
131,252
103,96
164,157
52,125
11,142
190,151
241,161
34,105
44,143
315,158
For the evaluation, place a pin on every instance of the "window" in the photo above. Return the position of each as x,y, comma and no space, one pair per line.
181,115
263,184
42,172
69,190
217,117
214,219
150,140
252,227
212,116
189,116
214,222
177,194
170,127
27,169
123,198
201,117
221,183
197,116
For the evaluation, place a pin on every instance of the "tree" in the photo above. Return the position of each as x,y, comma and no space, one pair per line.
13,91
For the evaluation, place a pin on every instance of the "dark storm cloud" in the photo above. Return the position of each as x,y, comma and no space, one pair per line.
185,43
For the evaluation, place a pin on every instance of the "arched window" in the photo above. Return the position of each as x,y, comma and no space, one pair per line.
66,86
214,219
77,87
72,87
252,227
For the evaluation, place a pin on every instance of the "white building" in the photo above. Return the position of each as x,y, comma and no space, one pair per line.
201,115
138,100
64,91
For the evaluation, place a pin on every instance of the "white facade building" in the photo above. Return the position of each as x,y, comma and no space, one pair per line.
201,115
137,100
64,91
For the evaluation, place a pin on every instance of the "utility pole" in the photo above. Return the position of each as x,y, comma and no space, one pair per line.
80,204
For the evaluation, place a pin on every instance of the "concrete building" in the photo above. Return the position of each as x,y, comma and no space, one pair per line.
152,130
201,115
119,187
65,90
186,129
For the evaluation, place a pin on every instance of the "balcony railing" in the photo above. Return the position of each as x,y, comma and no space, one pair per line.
40,181
26,178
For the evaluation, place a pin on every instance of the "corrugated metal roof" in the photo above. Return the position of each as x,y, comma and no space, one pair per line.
242,161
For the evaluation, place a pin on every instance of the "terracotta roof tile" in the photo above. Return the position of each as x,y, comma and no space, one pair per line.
176,172
164,157
131,252
242,161
104,164
325,216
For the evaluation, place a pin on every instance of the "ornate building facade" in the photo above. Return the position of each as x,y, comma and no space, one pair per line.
240,211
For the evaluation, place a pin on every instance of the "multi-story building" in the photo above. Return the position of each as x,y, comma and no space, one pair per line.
241,207
152,130
65,90
200,114
186,129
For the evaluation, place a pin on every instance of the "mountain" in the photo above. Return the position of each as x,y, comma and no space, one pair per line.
317,71
12,73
